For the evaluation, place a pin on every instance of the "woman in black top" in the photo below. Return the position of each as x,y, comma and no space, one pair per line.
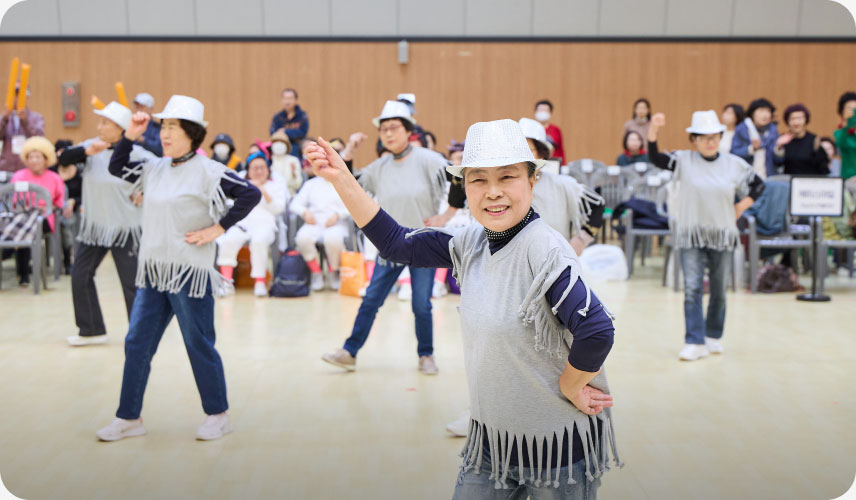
799,150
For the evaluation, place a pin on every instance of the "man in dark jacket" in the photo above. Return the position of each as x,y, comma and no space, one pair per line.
292,120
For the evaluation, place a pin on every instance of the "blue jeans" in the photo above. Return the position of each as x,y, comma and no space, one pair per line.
694,261
472,486
152,312
383,279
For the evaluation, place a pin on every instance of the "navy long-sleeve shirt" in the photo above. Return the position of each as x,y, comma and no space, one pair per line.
246,195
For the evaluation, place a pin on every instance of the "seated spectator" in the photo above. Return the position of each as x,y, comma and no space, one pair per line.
828,145
799,150
70,175
732,114
258,228
151,137
634,150
15,128
544,113
755,138
284,165
640,121
845,136
292,120
223,151
324,215
37,153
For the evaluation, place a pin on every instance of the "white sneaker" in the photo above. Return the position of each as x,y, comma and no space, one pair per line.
692,352
333,281
843,272
459,427
439,290
120,428
80,341
713,345
260,290
317,282
225,289
405,292
214,427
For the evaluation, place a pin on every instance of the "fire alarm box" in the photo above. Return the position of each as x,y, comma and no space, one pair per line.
71,104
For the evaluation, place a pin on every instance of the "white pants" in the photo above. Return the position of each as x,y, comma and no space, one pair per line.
231,241
333,238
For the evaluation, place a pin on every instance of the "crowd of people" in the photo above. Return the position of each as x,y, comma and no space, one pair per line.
146,190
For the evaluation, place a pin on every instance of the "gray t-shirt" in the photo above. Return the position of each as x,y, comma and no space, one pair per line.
410,189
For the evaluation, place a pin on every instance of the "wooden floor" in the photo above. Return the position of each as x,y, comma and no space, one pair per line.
772,418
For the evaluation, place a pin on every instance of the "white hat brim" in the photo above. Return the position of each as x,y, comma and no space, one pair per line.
166,116
457,170
707,131
376,121
111,118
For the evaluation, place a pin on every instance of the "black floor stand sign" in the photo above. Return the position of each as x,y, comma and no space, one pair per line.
816,197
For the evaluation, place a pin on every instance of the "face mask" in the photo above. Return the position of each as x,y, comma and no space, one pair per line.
279,148
542,116
221,150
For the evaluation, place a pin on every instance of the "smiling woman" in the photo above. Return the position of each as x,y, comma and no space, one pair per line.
184,211
534,334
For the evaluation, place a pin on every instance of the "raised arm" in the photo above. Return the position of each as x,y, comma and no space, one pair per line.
659,159
429,249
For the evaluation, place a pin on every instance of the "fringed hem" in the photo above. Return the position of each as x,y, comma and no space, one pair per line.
597,449
587,198
96,234
535,308
219,199
172,277
706,237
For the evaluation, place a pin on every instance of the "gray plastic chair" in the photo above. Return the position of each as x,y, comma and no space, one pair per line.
19,197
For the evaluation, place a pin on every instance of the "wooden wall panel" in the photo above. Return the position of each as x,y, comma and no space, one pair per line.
343,85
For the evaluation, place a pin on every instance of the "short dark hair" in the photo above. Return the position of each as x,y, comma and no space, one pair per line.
541,150
627,136
795,108
406,123
739,112
194,131
758,104
428,134
844,99
544,101
289,89
62,144
693,136
647,103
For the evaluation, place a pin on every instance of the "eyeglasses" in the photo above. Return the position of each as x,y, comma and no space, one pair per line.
707,138
389,129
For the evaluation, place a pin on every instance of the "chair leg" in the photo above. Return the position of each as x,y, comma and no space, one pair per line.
36,258
628,250
666,265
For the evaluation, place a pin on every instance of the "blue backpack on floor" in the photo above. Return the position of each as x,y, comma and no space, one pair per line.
291,276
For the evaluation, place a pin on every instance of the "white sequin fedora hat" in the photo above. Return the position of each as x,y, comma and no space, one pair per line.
532,129
116,113
183,108
705,122
393,109
494,144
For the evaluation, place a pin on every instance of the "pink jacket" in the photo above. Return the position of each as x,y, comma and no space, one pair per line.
49,180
